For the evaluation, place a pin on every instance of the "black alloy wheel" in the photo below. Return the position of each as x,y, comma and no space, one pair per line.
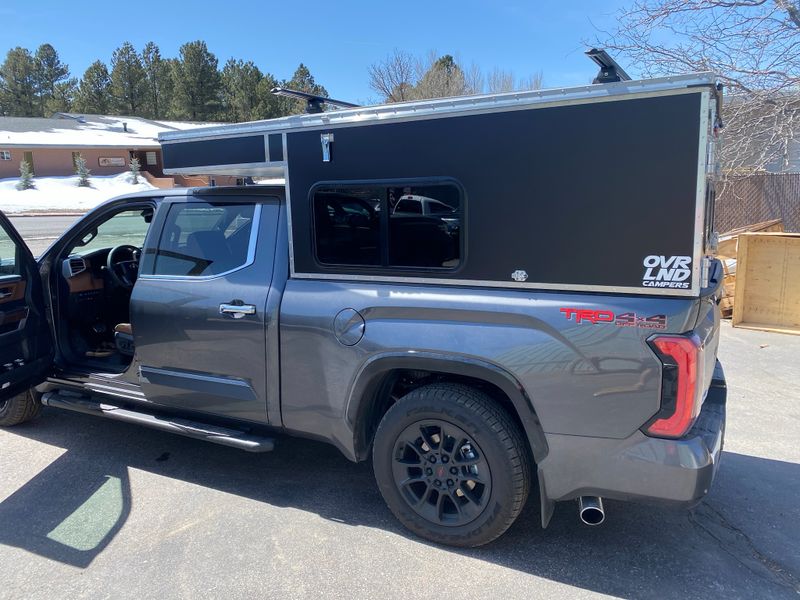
452,464
441,472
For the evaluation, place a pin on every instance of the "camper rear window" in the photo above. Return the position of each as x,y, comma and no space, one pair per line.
403,226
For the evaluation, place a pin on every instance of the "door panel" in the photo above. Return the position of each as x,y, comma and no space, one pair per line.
26,348
195,351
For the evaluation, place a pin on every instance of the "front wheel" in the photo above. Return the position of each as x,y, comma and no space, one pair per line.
22,407
451,465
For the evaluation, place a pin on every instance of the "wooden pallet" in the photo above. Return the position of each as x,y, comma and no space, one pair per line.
727,252
767,292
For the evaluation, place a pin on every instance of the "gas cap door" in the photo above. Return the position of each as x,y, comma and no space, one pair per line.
348,327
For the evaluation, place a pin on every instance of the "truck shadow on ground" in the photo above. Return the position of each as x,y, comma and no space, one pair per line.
747,528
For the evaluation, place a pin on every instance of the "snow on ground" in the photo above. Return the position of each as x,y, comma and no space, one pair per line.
62,194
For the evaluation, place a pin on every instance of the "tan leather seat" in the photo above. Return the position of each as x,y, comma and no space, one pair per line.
123,328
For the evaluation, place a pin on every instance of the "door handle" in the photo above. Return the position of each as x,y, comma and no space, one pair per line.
237,311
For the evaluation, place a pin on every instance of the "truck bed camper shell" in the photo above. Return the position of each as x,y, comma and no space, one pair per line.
599,188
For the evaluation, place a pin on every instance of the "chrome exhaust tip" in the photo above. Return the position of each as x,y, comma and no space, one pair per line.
590,510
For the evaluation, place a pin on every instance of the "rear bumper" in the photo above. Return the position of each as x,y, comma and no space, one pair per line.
640,467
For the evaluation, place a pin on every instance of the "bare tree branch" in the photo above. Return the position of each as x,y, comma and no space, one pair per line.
400,77
754,47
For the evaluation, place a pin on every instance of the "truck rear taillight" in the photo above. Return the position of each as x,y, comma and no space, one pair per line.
680,385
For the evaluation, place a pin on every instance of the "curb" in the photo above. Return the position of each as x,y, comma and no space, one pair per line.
44,214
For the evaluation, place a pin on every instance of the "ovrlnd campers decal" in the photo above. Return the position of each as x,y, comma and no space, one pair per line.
627,319
667,271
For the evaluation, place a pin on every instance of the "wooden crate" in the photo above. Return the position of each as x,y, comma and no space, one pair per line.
768,282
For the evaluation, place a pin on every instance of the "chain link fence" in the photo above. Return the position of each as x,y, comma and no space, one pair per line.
748,199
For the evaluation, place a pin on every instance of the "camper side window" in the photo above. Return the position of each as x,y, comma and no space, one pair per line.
397,227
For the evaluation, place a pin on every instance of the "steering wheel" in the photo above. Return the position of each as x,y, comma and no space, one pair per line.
123,273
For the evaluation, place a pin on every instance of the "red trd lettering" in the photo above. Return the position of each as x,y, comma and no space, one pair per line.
585,314
568,312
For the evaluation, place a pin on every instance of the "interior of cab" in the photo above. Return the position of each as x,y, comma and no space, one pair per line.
99,266
97,271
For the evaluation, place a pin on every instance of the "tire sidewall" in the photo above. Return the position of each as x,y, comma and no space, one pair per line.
410,410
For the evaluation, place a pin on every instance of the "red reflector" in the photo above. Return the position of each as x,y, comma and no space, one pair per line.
682,353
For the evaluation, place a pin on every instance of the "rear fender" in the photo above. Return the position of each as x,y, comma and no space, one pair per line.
373,373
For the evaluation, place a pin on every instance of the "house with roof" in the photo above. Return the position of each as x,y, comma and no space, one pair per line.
107,143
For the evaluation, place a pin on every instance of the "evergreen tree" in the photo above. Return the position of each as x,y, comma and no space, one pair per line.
82,172
136,169
18,84
63,98
197,83
25,177
94,92
269,105
240,91
49,73
158,73
128,80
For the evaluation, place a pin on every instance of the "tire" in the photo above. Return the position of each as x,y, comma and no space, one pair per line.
451,465
22,407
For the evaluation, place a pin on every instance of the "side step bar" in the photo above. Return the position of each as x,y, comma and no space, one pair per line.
185,427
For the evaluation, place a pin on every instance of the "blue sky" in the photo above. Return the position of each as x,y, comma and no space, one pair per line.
337,40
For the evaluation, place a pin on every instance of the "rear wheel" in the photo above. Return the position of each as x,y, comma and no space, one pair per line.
452,465
22,407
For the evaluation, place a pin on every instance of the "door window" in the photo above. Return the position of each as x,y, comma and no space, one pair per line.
200,239
9,258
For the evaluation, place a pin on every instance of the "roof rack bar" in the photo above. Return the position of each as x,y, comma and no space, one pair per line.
313,102
609,69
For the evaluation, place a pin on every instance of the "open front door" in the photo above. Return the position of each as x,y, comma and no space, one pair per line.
26,348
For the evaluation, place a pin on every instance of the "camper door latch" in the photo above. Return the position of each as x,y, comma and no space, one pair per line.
326,139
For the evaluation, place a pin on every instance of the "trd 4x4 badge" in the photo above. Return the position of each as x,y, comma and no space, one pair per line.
628,319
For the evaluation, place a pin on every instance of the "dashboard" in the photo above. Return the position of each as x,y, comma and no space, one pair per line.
84,273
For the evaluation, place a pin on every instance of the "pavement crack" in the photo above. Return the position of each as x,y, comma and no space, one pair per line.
739,546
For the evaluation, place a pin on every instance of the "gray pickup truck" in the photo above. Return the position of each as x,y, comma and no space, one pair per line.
481,295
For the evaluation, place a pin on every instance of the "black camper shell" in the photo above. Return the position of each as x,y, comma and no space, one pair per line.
598,188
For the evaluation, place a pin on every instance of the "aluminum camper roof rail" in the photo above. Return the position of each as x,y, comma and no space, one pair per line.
421,109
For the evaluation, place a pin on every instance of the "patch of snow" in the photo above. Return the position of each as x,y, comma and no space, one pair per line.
95,131
54,194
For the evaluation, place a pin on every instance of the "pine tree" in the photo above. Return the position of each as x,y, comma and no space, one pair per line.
63,98
128,80
18,84
240,91
94,92
25,177
136,169
158,73
49,73
269,105
197,83
82,172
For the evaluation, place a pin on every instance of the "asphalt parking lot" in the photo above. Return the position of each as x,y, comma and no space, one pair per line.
98,509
